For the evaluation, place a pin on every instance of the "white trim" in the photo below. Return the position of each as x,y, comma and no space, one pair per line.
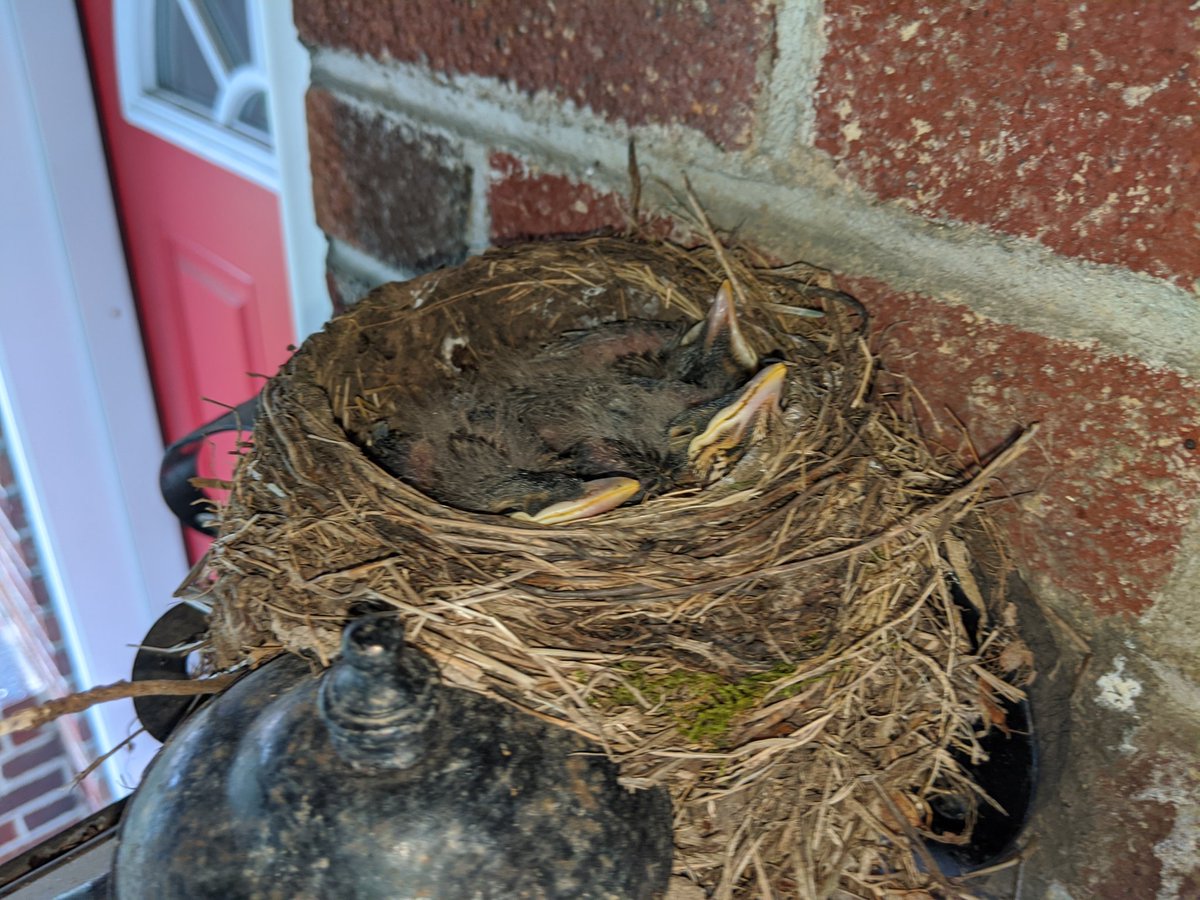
216,63
78,404
287,65
238,88
133,33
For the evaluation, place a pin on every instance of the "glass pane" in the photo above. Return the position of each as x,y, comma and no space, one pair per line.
253,117
180,66
36,767
229,29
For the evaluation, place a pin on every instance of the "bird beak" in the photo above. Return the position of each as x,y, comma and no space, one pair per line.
722,320
733,422
600,495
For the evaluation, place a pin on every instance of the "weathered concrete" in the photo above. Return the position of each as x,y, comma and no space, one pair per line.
621,60
798,208
789,118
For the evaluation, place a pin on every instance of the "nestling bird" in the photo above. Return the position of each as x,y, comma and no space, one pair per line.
730,425
640,390
595,418
665,434
485,460
711,354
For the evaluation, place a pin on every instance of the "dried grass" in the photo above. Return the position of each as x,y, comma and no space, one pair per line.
781,651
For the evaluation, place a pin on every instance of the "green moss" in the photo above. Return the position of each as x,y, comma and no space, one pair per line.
704,705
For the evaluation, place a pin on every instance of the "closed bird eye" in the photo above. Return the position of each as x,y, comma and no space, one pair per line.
682,431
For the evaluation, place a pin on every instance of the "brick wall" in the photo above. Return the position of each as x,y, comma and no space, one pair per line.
1011,188
37,768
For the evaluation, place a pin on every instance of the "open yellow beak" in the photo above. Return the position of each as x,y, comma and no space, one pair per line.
600,495
731,423
722,320
722,317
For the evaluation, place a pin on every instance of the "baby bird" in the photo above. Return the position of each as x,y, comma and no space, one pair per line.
637,393
662,433
727,426
596,418
607,423
482,460
712,354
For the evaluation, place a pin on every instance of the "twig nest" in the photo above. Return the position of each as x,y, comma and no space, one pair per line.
779,649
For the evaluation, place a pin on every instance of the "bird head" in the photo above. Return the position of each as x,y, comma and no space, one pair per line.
714,352
709,439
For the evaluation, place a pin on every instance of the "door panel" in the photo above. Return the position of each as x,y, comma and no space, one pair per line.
219,311
204,244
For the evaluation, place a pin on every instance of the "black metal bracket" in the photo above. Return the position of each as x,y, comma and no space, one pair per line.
179,466
158,658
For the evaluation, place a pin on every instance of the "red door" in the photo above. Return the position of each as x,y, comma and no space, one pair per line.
204,244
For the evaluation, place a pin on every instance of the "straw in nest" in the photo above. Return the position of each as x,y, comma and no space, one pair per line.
781,651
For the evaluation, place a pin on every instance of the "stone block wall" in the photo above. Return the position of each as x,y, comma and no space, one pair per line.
1013,189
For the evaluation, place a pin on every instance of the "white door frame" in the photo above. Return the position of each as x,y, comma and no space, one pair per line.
75,394
143,105
284,172
306,245
77,403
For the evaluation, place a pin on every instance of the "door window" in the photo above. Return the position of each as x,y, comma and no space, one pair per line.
193,72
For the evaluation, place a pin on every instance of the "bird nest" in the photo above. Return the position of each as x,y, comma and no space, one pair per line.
781,650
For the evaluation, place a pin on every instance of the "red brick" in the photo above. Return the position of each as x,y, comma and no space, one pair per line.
17,559
698,65
13,562
25,737
401,195
8,834
8,477
62,661
1126,859
50,626
345,287
1115,468
527,202
82,728
16,706
18,765
12,509
27,793
28,550
46,814
20,738
41,593
1073,123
